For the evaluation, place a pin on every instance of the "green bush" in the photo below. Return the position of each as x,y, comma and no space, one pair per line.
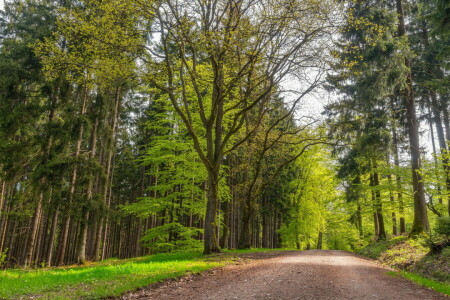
443,226
172,237
3,257
446,253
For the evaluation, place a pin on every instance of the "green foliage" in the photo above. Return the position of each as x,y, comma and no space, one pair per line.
179,178
312,209
172,237
446,253
406,254
85,57
3,256
443,226
341,234
376,249
412,255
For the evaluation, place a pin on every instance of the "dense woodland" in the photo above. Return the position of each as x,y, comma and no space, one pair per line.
130,127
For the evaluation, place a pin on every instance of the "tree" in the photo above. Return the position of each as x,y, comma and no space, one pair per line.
232,55
374,65
420,208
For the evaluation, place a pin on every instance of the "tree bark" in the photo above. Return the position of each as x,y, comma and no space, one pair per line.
73,182
393,214
211,244
33,231
319,240
82,238
398,182
420,223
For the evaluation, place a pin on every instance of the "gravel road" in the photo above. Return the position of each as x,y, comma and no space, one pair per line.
314,274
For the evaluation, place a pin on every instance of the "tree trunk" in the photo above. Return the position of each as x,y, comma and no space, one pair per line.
379,208
2,201
393,214
245,236
73,182
398,181
420,223
52,237
211,244
82,238
447,134
319,240
34,230
226,225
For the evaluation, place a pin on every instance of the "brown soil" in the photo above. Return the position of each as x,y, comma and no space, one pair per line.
314,274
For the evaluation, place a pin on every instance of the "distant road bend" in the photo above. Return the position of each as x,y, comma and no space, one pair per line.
314,274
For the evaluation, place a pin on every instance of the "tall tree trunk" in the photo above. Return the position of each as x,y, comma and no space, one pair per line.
435,159
379,207
73,183
4,216
393,214
245,236
211,243
447,136
226,224
442,141
82,238
398,180
436,107
359,219
108,169
52,237
34,231
420,223
2,201
46,148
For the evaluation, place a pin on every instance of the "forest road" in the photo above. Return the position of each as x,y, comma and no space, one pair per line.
313,274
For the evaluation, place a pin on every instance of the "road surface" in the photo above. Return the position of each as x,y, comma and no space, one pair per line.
314,274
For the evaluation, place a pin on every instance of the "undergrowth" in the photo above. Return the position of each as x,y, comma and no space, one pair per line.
412,256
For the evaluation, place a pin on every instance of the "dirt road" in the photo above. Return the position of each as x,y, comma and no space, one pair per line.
315,274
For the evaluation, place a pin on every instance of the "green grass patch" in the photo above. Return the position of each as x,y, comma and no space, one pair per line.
108,278
437,286
375,249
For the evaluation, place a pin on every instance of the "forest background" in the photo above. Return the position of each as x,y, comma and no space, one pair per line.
130,127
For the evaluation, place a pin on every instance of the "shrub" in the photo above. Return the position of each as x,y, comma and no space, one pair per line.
443,226
3,258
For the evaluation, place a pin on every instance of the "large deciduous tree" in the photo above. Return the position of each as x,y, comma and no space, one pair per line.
222,60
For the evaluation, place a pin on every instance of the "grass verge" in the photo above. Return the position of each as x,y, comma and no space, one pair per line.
412,258
432,284
108,278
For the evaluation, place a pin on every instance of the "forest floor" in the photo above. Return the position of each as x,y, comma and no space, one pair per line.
411,255
314,274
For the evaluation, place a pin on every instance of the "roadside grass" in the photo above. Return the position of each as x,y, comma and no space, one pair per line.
375,249
412,258
437,286
108,278
104,279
